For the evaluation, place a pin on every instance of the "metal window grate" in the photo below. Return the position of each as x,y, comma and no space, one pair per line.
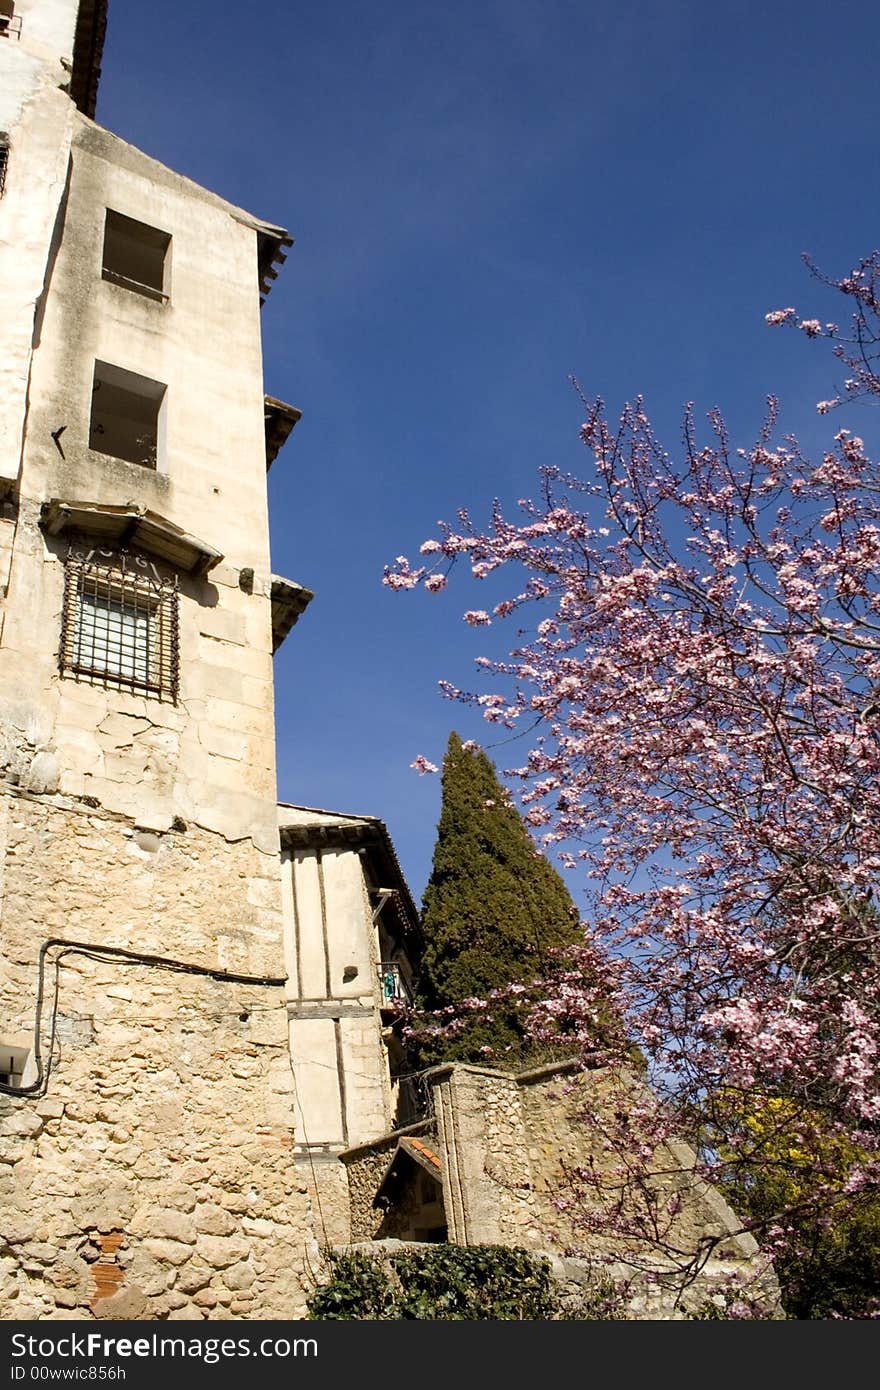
119,625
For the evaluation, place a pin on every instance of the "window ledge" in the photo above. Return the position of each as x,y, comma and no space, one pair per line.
115,277
131,526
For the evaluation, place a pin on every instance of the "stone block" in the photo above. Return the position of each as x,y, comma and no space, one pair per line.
173,1225
222,625
222,1251
239,1276
224,743
193,1277
214,679
254,717
127,1304
214,1221
170,1251
43,773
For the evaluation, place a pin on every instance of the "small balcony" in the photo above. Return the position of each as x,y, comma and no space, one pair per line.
392,985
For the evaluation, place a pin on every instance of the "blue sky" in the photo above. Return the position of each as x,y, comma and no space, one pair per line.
487,198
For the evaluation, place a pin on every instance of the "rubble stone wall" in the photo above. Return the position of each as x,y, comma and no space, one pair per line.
508,1145
151,1176
365,1172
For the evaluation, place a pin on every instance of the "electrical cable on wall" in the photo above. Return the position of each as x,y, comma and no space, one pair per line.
107,955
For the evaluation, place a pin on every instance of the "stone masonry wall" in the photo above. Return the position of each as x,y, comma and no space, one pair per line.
507,1143
487,1184
325,1181
365,1172
564,1119
153,1177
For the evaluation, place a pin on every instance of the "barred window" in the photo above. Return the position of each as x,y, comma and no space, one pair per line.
4,159
119,625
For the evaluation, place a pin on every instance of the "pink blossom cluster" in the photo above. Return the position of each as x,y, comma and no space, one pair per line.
421,765
856,349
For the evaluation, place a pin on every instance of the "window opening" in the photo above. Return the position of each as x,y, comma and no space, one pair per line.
10,22
120,623
4,159
13,1061
127,415
135,255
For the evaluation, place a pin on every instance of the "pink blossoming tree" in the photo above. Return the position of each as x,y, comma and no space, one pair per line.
696,668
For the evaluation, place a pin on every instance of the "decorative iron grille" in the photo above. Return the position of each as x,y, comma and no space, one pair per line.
119,624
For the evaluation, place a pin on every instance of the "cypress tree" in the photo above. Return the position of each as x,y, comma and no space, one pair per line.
492,913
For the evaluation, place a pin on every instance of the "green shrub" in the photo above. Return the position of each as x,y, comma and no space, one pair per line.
438,1283
358,1288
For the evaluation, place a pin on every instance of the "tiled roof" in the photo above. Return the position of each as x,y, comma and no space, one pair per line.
311,825
416,1152
422,1151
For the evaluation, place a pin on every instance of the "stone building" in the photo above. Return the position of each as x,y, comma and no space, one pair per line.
202,1079
352,936
462,1153
147,1131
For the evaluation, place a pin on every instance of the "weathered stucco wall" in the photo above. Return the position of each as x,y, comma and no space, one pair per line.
37,117
200,343
340,1062
210,759
166,1129
335,1026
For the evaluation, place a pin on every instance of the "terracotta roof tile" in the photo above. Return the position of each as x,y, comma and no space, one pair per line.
423,1149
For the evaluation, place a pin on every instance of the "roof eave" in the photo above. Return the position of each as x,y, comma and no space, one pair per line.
289,601
88,48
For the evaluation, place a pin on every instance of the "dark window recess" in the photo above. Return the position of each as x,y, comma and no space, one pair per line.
10,22
119,624
4,161
135,255
12,1064
126,418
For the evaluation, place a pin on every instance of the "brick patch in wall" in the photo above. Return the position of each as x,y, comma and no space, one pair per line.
108,1274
